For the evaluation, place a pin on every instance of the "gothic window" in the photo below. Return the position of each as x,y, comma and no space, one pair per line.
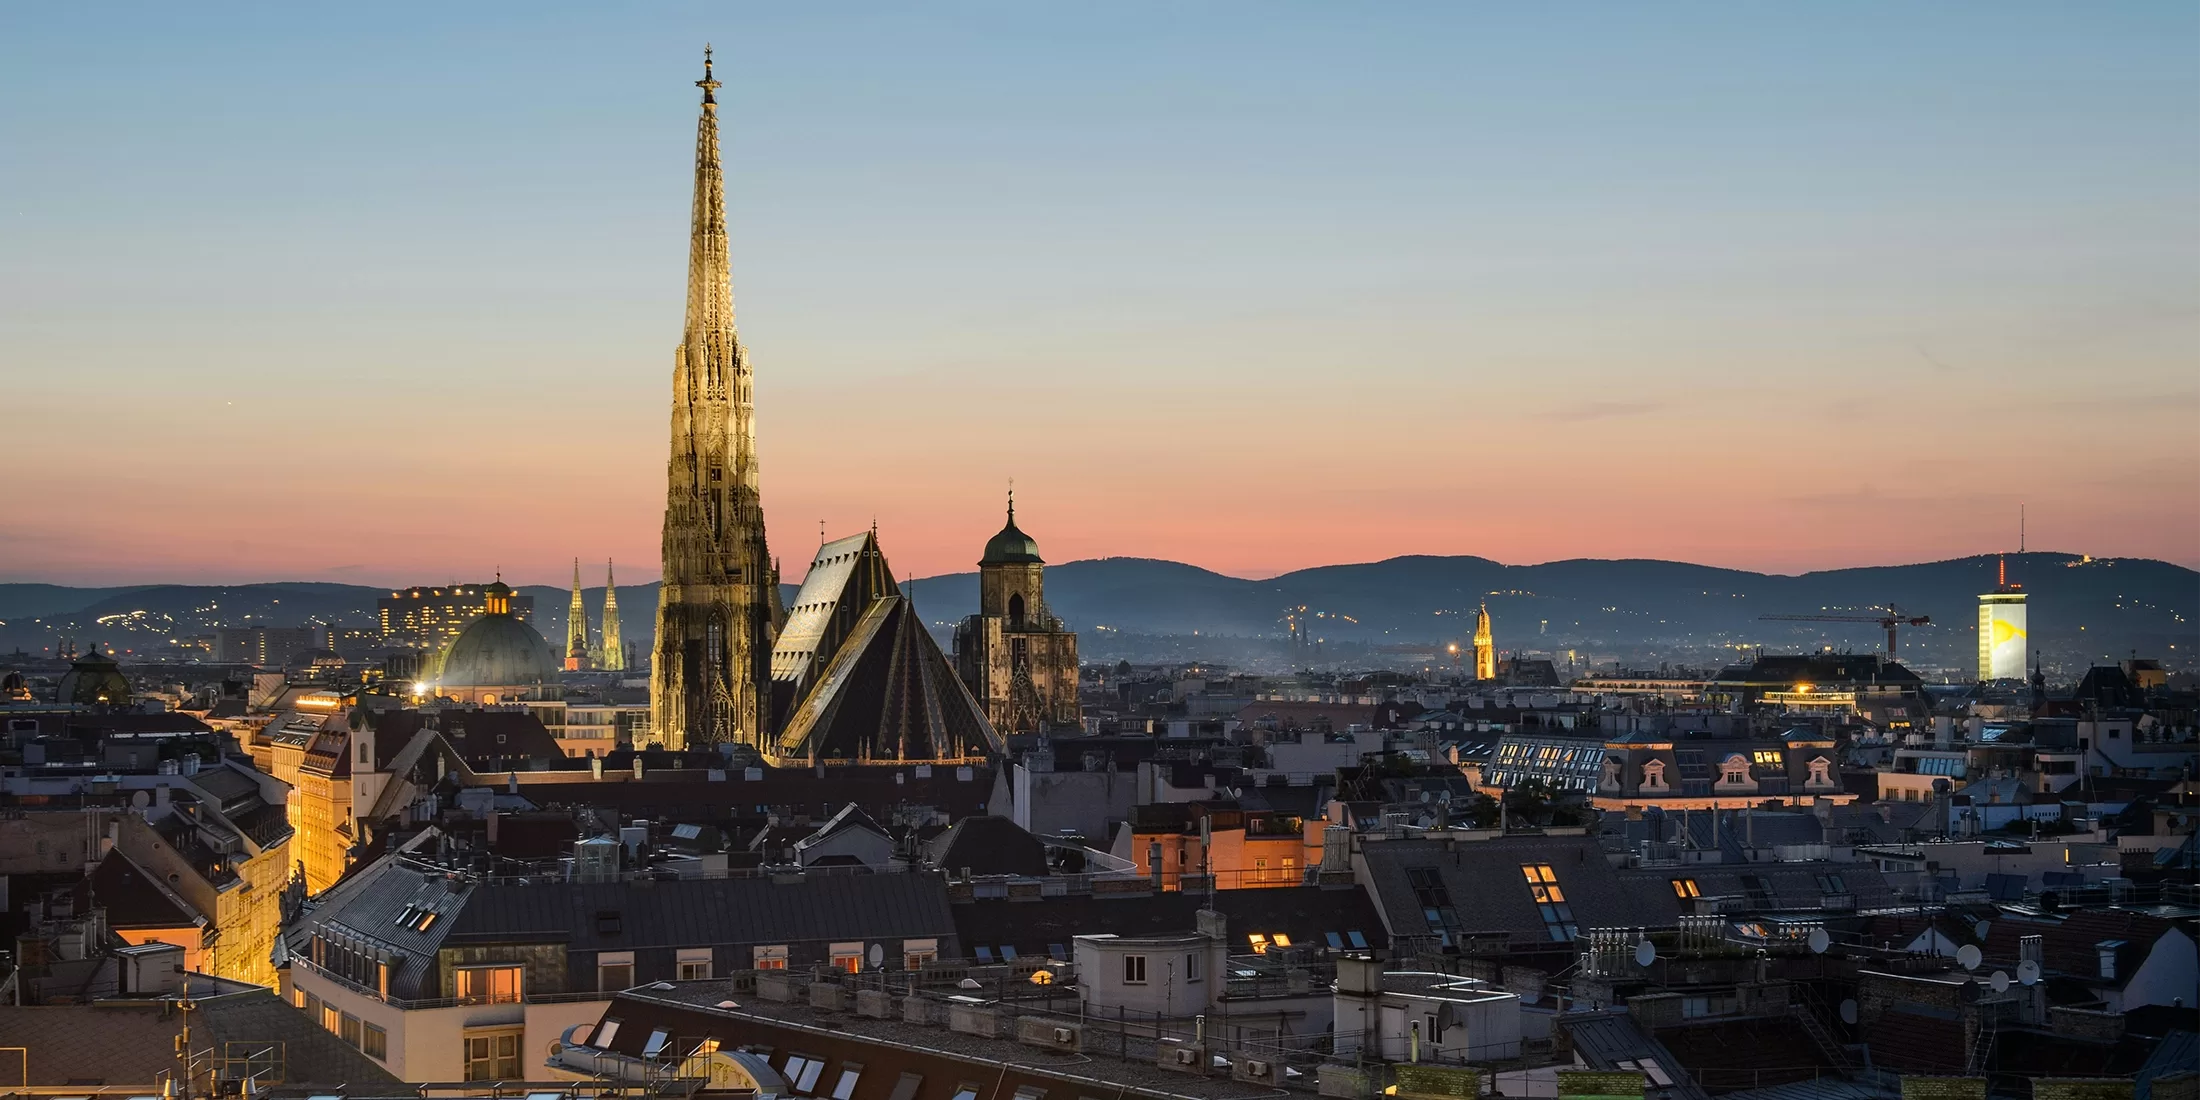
1019,653
1016,611
714,642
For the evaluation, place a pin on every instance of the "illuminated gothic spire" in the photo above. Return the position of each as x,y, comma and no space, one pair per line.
576,625
614,647
718,610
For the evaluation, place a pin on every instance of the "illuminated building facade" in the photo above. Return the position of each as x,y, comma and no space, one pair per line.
1014,655
718,610
1485,646
266,645
1643,770
430,618
2001,630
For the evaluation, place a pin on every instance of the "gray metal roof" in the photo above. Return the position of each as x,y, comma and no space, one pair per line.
710,912
1489,892
1604,1040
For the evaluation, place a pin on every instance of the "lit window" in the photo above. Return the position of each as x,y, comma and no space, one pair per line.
1260,943
770,958
1686,888
1768,758
1550,900
848,956
489,985
1281,940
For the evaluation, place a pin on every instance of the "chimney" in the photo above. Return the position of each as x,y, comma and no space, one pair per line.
1211,924
637,764
595,766
1153,863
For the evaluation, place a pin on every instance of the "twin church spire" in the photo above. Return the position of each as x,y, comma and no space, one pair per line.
608,653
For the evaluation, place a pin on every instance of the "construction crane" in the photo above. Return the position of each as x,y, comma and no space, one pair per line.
1889,622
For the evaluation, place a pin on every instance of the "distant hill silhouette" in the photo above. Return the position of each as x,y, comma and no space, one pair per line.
2079,609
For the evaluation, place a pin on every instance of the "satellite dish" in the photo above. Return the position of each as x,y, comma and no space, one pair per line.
1848,1012
2000,981
878,955
1646,953
2028,972
1970,956
1819,941
1980,929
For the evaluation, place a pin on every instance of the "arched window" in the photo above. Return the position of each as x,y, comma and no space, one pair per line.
1016,611
714,643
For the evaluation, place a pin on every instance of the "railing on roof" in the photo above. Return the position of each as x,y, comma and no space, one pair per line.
417,1003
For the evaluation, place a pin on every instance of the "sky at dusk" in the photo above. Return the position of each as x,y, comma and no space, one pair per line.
389,293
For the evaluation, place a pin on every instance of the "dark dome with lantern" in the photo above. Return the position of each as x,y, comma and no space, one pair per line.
496,650
1011,546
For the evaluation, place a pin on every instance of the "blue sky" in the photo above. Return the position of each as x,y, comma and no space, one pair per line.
1253,286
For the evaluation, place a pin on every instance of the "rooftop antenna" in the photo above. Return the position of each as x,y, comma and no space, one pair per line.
2020,527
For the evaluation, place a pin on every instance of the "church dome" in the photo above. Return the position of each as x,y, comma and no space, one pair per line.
496,650
1011,546
94,678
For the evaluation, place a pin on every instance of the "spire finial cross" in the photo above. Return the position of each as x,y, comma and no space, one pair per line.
708,84
1011,500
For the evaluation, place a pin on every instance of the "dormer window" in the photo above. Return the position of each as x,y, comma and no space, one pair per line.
1653,775
2107,950
1734,771
1821,772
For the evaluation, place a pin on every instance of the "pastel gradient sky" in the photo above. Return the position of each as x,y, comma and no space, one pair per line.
388,293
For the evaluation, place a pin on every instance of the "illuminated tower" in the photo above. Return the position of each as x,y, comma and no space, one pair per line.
1485,650
2001,629
576,626
718,610
614,648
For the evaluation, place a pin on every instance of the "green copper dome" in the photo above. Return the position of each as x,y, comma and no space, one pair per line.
496,651
1011,545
